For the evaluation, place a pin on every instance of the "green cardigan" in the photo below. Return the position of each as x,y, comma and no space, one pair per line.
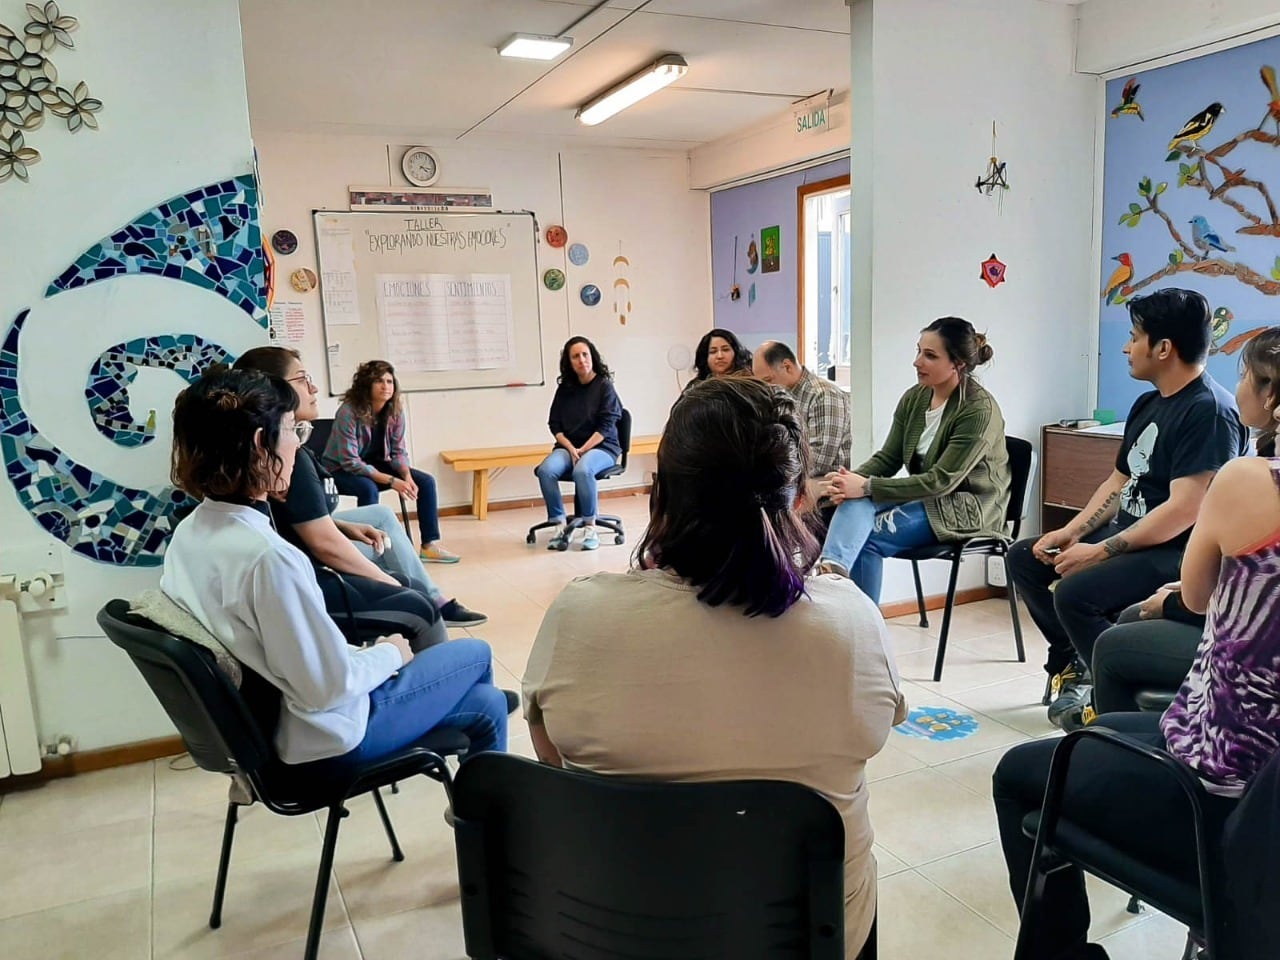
963,479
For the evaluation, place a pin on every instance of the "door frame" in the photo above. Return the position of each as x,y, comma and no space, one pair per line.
803,192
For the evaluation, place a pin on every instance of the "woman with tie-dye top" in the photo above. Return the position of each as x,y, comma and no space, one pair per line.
1225,722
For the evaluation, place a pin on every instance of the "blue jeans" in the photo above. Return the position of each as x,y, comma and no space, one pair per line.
558,466
366,493
448,685
863,533
400,558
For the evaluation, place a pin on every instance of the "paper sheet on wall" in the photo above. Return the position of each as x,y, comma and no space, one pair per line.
288,323
440,321
338,278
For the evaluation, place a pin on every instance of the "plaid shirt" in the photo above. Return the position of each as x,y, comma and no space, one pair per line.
824,408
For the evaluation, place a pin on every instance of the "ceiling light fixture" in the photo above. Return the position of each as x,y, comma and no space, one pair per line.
660,73
534,46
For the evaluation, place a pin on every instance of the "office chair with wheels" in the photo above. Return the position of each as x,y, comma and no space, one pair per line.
319,439
1022,461
229,730
555,863
605,520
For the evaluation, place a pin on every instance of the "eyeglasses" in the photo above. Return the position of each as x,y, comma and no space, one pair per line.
303,430
302,378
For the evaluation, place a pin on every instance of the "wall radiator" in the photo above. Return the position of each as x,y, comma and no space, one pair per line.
19,744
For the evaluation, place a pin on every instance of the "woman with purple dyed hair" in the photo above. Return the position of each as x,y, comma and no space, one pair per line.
717,657
1225,721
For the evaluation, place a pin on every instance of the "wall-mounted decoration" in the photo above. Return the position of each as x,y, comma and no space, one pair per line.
288,325
751,295
771,242
553,279
679,359
995,178
735,292
209,238
1129,105
303,280
938,723
419,201
269,273
621,287
1190,200
107,391
589,294
753,256
557,236
579,254
284,242
29,87
420,166
993,271
211,233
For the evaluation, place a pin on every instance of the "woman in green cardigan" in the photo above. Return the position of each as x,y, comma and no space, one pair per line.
949,434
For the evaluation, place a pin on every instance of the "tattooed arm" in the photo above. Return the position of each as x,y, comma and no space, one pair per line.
1102,506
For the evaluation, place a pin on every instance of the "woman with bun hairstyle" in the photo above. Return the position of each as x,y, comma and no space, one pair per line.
948,433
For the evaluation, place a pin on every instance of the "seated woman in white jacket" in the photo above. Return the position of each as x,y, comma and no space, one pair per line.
234,444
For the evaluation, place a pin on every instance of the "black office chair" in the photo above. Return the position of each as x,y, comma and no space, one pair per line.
554,863
606,520
1022,459
1199,898
319,439
229,730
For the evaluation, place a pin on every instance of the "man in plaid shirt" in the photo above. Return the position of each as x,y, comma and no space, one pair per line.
822,405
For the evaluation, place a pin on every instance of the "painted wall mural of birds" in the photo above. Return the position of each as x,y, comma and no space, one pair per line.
1119,277
1268,74
1205,237
1129,105
1198,126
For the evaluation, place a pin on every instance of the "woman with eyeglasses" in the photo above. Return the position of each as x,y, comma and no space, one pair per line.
234,446
366,452
367,545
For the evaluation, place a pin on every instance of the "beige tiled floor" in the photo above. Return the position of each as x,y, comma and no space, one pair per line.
120,864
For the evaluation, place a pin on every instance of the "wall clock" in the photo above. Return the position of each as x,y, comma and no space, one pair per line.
420,166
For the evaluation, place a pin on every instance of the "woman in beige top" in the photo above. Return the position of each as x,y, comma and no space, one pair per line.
718,658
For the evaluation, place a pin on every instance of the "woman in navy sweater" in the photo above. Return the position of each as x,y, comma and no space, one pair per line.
584,421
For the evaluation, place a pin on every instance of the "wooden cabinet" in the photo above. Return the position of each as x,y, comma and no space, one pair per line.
1073,462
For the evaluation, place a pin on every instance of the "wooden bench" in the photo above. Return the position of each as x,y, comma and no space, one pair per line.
483,459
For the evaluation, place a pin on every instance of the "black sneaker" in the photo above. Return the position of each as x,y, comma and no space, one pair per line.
1074,688
513,701
456,615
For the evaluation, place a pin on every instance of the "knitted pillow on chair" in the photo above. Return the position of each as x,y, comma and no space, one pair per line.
160,609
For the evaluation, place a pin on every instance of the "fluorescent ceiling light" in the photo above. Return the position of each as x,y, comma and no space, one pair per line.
533,46
651,79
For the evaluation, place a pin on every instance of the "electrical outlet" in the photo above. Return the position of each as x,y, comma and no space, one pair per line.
996,572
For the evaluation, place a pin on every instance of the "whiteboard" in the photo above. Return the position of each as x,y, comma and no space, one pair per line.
449,299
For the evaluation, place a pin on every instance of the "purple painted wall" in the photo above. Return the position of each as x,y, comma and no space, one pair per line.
743,212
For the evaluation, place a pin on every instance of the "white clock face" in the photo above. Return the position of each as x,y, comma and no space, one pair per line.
420,167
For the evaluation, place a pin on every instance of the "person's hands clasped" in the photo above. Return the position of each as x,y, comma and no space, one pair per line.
401,644
404,486
1077,557
575,455
844,484
1051,544
364,533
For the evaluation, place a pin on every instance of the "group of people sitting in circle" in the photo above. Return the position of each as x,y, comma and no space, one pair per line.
740,619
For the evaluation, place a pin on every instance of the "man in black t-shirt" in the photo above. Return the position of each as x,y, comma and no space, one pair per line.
1128,541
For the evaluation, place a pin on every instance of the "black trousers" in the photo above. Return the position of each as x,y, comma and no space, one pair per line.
1081,606
1115,796
1139,654
364,595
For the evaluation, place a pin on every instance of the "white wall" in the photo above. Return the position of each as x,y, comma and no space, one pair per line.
174,118
921,229
771,145
1119,33
603,198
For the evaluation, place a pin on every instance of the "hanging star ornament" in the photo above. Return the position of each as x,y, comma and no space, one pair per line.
993,271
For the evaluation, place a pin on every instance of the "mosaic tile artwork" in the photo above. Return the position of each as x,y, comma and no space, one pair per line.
209,237
107,392
92,514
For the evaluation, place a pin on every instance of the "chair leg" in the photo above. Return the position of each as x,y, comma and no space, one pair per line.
404,518
946,618
396,853
224,862
315,927
1190,951
1135,905
1048,692
915,572
1017,623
